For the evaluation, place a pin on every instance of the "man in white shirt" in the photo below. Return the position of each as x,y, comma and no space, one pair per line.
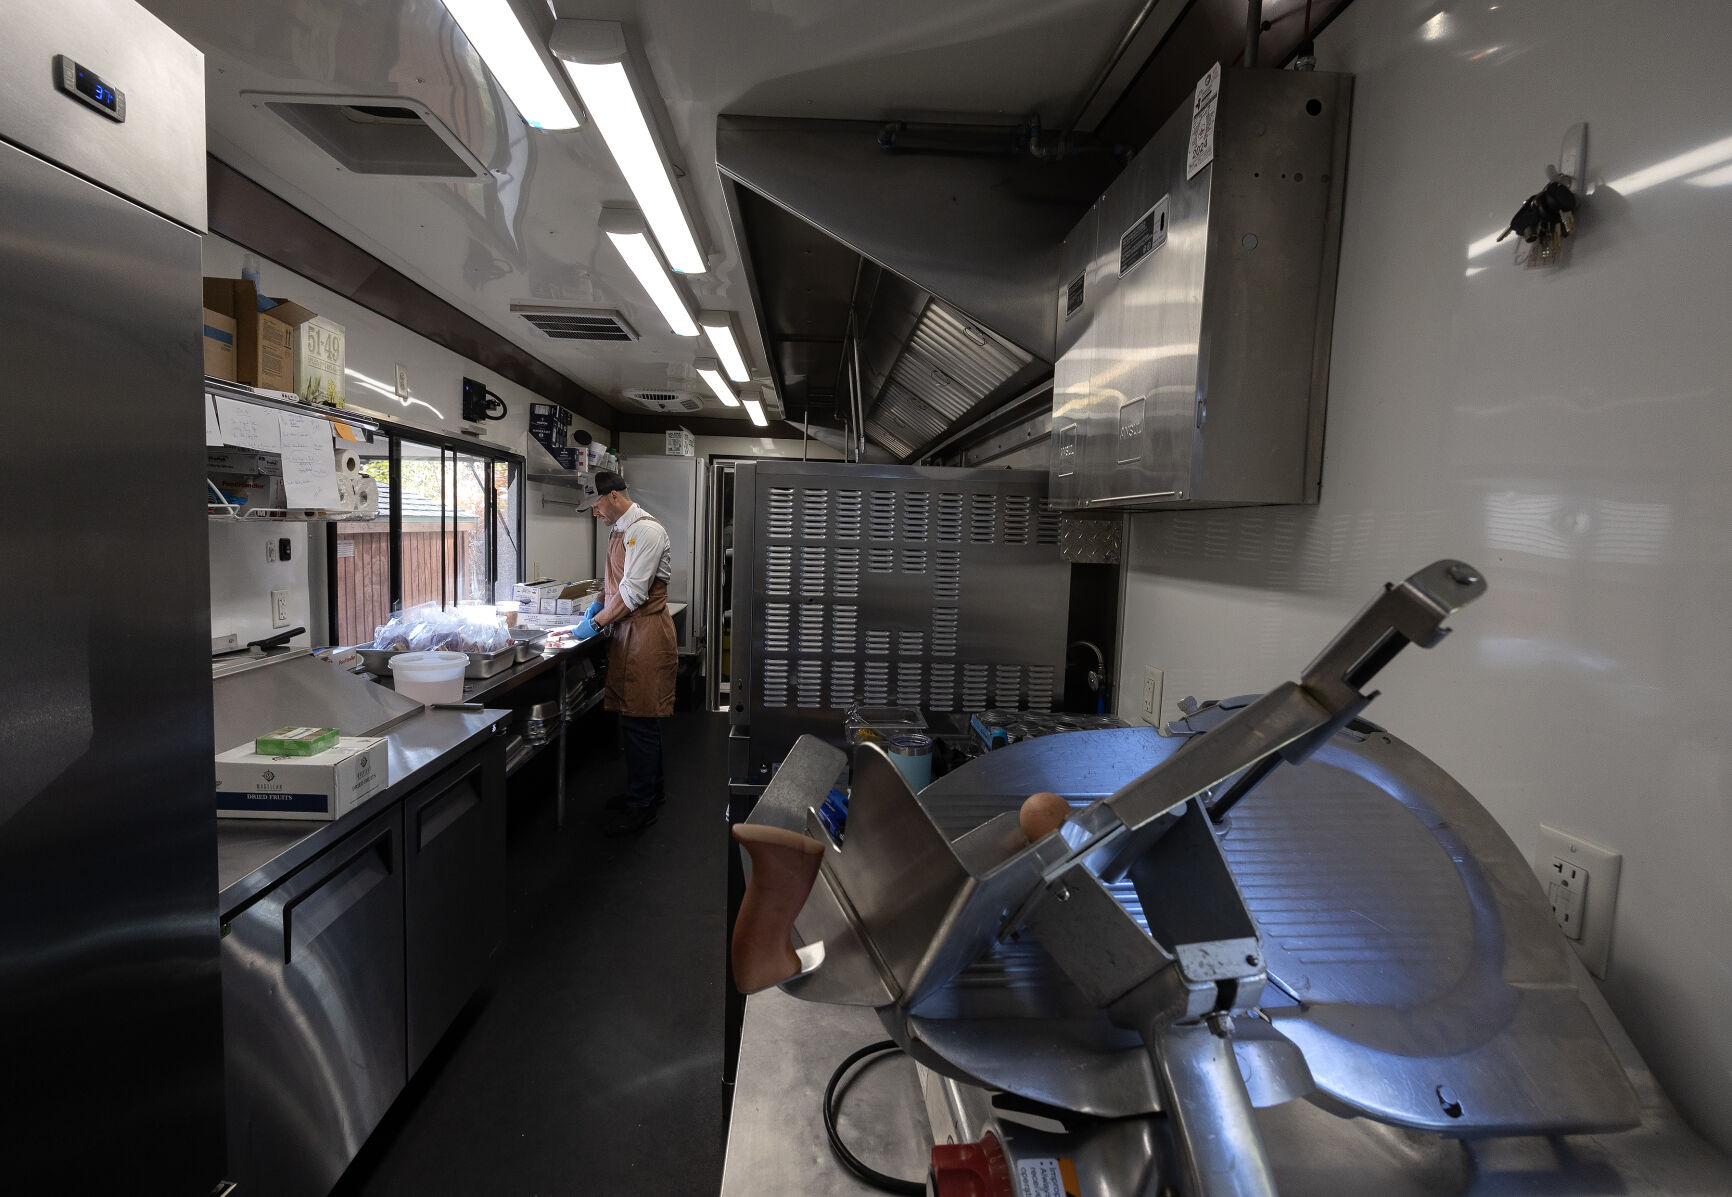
643,655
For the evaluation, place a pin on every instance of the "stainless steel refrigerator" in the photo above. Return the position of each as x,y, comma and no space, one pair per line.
110,1002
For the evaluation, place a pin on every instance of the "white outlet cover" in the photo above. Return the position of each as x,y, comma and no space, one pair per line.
1602,866
1152,679
279,608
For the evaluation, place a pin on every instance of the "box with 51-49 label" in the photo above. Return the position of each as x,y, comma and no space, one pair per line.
326,785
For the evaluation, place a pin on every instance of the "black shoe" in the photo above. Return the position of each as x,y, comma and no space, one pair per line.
623,801
630,821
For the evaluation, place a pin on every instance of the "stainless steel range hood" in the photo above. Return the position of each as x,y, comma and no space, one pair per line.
955,312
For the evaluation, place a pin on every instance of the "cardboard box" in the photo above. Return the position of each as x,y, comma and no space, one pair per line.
325,786
530,594
319,361
264,341
243,461
219,346
545,622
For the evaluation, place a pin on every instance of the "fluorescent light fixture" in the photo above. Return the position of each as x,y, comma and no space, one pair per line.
719,328
756,411
710,371
593,53
624,227
511,57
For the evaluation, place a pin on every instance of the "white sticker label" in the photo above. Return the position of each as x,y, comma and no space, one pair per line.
1208,89
1040,1178
1200,150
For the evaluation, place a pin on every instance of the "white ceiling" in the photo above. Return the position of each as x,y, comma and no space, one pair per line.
528,232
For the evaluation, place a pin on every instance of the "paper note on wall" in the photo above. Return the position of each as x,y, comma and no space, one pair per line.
309,471
248,426
213,431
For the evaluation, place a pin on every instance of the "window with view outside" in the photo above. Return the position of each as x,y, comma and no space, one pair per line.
448,552
437,550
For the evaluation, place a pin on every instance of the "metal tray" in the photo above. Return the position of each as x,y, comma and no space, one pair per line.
487,664
527,643
378,661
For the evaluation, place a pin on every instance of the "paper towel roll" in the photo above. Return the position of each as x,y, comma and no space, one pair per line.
348,461
367,496
348,496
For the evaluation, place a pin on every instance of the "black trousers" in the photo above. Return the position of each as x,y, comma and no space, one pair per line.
643,759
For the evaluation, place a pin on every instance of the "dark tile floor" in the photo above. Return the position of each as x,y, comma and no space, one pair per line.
592,1064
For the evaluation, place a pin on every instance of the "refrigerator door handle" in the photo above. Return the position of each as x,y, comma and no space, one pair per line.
333,895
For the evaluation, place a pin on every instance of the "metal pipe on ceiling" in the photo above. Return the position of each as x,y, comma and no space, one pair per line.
1253,30
1112,64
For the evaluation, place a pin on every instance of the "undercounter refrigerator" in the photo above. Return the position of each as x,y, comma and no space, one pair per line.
110,1000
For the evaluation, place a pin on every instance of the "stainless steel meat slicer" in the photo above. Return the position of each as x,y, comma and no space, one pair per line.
1208,967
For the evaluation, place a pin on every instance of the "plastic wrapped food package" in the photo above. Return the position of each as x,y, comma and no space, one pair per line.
427,627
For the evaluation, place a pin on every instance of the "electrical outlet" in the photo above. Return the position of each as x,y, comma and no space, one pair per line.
1567,888
1581,884
1151,694
279,608
271,551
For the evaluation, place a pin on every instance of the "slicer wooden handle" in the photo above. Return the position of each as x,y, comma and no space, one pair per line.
784,866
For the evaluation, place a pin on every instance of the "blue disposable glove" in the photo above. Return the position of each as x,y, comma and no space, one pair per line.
587,630
591,611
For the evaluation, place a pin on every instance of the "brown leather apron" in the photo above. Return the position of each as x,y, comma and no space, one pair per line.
643,654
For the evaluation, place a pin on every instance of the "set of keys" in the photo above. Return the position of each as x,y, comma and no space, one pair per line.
1544,220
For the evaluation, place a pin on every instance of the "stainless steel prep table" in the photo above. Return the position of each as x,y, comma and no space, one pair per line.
788,1047
776,1141
253,854
493,690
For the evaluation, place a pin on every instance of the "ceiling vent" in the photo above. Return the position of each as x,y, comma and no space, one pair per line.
665,403
577,324
376,135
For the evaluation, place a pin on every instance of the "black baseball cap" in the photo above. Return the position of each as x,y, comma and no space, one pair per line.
606,482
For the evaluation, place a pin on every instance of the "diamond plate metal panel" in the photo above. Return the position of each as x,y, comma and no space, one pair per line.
1090,540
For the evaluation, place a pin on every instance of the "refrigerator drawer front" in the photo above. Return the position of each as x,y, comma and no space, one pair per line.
454,831
313,1014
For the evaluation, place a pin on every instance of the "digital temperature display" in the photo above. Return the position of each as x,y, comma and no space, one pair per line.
87,87
96,89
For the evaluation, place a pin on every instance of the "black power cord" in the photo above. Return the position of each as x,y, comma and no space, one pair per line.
848,1159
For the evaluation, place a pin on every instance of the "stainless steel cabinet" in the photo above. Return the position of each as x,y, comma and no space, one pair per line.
313,1010
454,881
1196,303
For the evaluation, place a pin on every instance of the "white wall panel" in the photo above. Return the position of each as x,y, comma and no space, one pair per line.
1567,431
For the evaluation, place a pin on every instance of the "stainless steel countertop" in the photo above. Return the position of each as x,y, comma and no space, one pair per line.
776,1141
788,1047
253,854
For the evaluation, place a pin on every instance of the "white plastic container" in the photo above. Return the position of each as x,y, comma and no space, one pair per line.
430,677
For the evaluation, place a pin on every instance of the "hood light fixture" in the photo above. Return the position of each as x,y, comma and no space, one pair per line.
493,28
719,328
625,228
594,56
710,371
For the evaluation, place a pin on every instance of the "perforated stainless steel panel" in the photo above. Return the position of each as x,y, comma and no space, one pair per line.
892,585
